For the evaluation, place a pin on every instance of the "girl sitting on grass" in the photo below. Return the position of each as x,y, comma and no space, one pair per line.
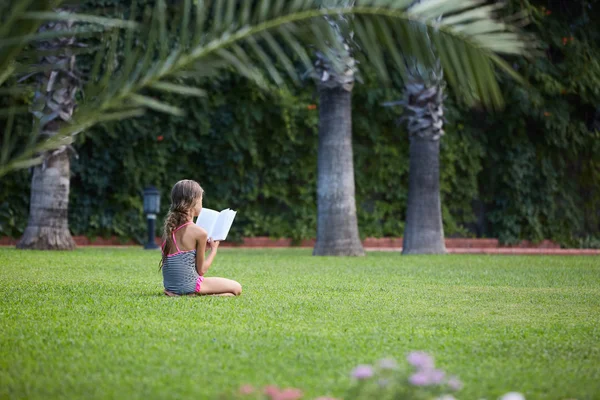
183,251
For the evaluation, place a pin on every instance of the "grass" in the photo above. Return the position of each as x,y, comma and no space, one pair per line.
92,323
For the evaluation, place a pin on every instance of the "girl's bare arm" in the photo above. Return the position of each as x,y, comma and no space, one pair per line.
201,239
202,263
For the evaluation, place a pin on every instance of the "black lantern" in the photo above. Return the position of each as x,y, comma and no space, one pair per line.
151,208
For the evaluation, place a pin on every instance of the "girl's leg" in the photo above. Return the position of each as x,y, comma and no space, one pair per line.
220,286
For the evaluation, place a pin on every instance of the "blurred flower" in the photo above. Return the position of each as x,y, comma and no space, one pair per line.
246,389
420,360
426,377
419,379
388,363
547,114
436,376
454,383
271,390
363,371
548,12
326,398
446,397
513,396
312,106
160,138
289,394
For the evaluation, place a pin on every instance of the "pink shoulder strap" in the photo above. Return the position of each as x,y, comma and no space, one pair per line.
175,230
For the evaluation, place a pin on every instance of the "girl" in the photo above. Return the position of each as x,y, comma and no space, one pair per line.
183,262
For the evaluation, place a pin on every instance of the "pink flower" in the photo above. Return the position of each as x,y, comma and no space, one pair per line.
419,379
437,376
420,360
362,371
427,377
289,394
272,391
246,389
454,383
325,398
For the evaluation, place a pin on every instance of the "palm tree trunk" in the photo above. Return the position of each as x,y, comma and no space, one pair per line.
54,102
424,100
424,232
48,226
337,226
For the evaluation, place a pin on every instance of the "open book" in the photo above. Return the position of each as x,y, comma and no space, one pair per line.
216,223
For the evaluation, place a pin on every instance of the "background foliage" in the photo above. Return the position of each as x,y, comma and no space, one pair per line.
531,171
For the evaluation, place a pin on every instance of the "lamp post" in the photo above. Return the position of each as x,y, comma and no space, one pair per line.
151,208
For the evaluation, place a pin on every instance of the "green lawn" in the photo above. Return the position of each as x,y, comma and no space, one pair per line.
92,323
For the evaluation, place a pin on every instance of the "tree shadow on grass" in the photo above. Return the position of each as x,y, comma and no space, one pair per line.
149,294
161,294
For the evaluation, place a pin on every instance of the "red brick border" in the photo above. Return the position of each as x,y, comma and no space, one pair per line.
453,245
526,251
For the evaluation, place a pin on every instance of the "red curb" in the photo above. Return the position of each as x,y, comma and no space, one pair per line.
453,245
525,251
506,251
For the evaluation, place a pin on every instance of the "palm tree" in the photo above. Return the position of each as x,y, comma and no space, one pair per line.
48,225
219,34
424,96
424,114
337,225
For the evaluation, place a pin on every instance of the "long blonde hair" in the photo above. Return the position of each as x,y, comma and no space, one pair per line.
184,196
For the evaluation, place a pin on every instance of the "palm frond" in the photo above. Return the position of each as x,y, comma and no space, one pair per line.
467,40
71,16
214,34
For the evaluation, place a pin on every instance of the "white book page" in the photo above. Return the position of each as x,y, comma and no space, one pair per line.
223,224
207,219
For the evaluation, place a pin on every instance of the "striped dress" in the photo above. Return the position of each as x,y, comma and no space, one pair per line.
179,270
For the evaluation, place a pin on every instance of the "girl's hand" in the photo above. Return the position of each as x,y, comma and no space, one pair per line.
213,244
